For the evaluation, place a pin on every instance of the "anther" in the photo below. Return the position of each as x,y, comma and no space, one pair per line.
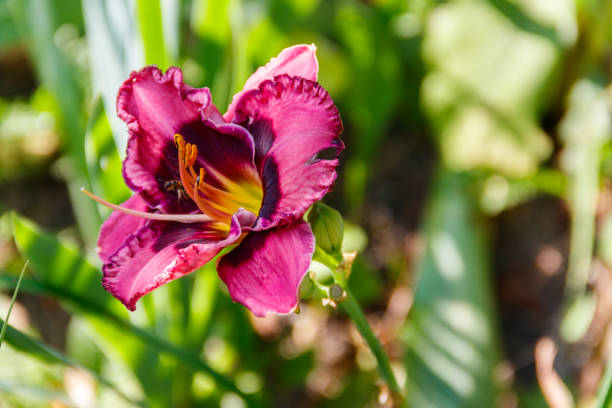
200,178
179,141
194,154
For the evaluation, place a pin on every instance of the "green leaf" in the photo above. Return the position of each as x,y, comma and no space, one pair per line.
61,268
9,34
450,334
114,51
604,394
491,65
152,32
203,299
63,273
57,73
14,298
35,348
584,130
29,393
103,160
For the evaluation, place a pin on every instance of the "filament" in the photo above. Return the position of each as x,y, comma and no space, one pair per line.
185,218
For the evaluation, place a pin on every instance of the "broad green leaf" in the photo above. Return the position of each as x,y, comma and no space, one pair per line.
61,268
450,333
491,65
62,272
35,348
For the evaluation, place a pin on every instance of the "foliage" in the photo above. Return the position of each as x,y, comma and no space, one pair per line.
458,115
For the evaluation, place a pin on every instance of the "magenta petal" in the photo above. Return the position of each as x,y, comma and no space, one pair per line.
298,60
292,120
155,107
160,252
119,226
265,271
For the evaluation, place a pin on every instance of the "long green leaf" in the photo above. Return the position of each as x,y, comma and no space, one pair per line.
584,130
61,271
103,160
35,348
152,32
26,392
60,267
604,394
10,308
114,51
450,333
38,20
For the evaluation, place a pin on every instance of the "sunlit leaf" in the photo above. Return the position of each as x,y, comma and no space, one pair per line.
39,22
450,334
103,160
491,68
61,271
584,129
114,51
35,348
152,32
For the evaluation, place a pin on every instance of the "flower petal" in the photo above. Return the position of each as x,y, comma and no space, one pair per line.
160,252
119,226
156,106
298,60
265,271
292,120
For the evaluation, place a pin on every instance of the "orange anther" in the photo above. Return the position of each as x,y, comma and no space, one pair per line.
194,154
200,180
179,141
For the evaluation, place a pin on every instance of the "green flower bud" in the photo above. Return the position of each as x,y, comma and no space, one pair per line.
327,226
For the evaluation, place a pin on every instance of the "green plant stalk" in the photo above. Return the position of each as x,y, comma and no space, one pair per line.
10,309
354,312
352,309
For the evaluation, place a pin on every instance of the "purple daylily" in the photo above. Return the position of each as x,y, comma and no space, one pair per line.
205,181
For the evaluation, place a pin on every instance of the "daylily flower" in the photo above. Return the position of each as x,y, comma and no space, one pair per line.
205,181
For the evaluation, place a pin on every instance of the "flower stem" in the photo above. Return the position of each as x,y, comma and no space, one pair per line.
352,309
341,270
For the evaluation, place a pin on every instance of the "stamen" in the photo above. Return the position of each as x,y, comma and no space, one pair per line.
185,218
194,155
200,178
218,203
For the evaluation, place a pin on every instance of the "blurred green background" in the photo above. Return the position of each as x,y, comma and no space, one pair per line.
475,186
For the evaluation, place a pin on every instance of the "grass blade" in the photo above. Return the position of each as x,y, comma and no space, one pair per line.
8,313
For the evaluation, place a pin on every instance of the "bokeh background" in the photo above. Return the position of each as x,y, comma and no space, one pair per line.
475,186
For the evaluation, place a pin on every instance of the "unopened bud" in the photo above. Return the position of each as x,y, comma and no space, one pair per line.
327,226
306,288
